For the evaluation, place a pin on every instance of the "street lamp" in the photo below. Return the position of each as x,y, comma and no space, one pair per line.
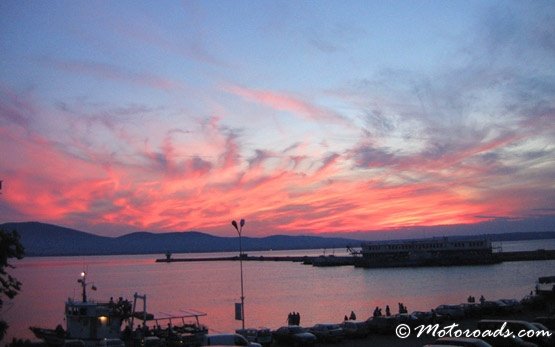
239,229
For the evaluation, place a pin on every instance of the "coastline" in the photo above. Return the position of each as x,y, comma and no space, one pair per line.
379,340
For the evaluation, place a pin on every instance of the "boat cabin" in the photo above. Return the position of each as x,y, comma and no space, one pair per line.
92,321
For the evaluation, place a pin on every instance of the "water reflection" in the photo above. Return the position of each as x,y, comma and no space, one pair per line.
272,289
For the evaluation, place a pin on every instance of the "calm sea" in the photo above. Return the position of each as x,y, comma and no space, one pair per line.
272,289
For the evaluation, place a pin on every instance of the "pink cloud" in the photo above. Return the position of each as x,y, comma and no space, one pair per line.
289,103
183,182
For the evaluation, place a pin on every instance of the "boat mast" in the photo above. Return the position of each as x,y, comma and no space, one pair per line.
83,281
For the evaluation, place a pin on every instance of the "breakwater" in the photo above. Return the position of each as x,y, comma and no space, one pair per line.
540,254
331,260
300,259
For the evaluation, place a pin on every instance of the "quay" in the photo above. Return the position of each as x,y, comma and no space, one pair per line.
332,260
540,254
299,259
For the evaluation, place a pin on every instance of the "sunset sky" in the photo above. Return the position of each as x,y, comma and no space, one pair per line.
299,116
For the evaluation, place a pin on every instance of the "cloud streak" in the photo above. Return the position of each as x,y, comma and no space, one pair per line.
337,142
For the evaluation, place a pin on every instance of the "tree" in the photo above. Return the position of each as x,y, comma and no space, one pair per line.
10,247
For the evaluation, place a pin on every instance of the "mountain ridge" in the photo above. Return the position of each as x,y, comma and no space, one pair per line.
42,239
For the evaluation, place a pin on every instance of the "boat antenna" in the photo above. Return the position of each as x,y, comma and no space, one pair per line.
83,281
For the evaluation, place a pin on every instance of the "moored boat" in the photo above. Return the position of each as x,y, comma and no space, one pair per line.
546,285
94,323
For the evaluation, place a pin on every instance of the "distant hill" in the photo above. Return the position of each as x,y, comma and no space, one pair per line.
40,239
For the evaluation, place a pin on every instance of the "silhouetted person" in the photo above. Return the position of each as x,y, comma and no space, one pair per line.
482,299
59,331
353,316
387,311
127,332
346,318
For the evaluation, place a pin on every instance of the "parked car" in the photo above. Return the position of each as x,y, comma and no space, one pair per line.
110,343
228,340
515,326
328,332
471,309
542,327
151,341
497,307
294,335
511,341
461,341
406,318
547,321
450,311
355,329
426,317
382,324
513,305
260,335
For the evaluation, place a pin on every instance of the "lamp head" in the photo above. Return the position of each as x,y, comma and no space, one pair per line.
234,223
242,222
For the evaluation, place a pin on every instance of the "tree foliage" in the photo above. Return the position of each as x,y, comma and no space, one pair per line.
10,247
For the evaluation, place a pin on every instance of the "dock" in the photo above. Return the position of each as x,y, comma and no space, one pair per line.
332,260
540,254
298,259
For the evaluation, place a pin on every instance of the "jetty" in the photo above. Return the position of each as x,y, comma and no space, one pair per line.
353,260
299,259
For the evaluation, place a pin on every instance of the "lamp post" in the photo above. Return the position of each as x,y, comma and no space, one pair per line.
239,229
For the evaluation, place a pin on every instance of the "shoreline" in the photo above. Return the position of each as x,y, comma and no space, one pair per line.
390,340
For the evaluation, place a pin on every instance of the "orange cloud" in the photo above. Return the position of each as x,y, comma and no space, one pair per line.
202,180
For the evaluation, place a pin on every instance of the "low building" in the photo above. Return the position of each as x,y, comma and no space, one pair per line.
426,252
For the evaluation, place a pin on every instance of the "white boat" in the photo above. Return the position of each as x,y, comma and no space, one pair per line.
94,323
546,285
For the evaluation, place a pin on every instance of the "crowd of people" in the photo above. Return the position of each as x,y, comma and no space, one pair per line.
378,311
294,318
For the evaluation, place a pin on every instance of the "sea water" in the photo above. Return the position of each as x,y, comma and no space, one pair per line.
272,289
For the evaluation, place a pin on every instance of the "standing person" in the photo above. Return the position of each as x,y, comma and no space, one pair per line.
387,311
